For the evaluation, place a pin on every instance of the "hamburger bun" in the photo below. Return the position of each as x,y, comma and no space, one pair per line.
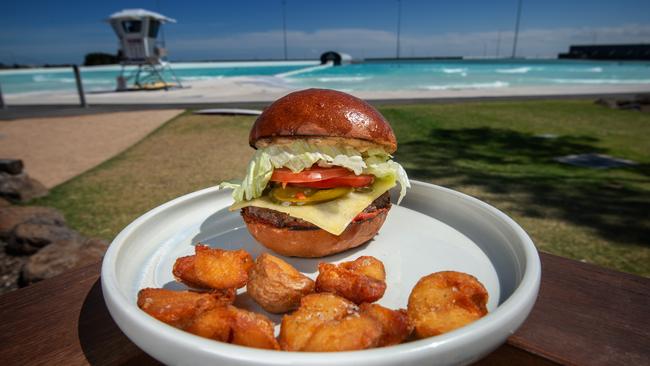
322,113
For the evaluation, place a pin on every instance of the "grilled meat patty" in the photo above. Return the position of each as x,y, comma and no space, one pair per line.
281,219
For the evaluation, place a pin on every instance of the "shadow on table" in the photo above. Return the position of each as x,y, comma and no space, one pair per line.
105,344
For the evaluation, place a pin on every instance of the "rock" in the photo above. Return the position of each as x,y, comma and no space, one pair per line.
20,187
62,256
12,216
11,166
27,238
4,202
10,267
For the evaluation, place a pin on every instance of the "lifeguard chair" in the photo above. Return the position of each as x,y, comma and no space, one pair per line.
137,30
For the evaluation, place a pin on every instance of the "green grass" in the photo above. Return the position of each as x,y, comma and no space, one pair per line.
489,150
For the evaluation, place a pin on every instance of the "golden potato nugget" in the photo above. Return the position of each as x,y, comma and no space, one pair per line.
216,324
253,330
314,310
224,297
354,332
176,308
395,324
351,280
367,265
184,272
444,301
276,285
222,269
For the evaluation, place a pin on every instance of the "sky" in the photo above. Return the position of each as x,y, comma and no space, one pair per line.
39,32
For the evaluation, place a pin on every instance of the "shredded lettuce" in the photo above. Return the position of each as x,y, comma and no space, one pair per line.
390,168
300,155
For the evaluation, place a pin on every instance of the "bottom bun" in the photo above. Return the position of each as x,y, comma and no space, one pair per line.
311,243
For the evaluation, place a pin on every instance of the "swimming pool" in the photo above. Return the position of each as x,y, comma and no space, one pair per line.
390,76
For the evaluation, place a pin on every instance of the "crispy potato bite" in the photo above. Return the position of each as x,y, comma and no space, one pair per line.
176,308
215,324
444,301
220,269
354,332
184,272
362,280
314,311
253,330
233,325
276,285
395,324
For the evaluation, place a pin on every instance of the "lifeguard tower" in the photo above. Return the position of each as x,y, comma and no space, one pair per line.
137,30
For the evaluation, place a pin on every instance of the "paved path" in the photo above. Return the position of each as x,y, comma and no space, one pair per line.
59,148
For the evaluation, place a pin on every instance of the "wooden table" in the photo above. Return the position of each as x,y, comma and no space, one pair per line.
585,315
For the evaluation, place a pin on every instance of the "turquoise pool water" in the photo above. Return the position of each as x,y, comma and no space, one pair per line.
425,75
475,74
103,78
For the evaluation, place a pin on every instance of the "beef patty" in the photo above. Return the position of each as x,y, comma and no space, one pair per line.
281,219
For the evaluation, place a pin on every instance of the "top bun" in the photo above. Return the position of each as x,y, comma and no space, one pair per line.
322,113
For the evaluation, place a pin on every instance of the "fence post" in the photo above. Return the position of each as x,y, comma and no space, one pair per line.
80,87
2,101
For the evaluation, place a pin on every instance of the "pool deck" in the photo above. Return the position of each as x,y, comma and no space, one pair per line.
248,89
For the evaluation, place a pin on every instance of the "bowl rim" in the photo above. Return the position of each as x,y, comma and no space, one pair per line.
521,300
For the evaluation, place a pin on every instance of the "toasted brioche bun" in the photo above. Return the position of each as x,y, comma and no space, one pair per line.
313,243
322,113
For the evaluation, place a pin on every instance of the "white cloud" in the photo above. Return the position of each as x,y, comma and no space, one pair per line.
377,43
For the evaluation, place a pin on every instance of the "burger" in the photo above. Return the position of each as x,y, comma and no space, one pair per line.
319,181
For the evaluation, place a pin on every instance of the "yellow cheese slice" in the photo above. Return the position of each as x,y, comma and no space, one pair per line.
332,216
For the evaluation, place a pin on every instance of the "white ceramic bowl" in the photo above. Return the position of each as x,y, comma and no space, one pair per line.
434,229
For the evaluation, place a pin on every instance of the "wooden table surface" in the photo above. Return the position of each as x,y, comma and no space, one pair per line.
584,315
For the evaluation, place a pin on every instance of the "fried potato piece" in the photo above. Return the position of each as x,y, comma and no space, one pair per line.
176,308
237,326
314,311
367,265
216,324
221,269
184,272
224,297
444,301
253,330
276,285
354,332
395,324
362,280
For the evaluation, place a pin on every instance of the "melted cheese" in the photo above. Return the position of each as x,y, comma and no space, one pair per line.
332,216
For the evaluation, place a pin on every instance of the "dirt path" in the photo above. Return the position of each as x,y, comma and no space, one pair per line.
59,148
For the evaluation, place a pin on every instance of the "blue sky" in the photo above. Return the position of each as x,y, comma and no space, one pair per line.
63,31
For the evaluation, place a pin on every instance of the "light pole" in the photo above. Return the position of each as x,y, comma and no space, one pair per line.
498,43
284,27
514,44
399,26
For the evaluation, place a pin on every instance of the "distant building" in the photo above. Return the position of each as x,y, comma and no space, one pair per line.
621,52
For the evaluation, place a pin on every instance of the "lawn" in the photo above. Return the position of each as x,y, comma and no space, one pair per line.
500,152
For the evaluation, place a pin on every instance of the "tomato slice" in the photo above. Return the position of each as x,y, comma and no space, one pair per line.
345,181
312,174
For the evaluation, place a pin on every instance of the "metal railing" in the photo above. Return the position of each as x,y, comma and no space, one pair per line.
80,90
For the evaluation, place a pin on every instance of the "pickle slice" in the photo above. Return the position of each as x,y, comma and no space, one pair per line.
303,196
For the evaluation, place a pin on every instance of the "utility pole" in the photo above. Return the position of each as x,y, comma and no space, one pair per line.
399,25
284,27
514,44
